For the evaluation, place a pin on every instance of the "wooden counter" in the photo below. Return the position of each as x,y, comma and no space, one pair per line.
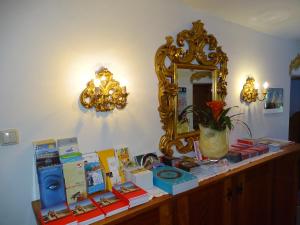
263,192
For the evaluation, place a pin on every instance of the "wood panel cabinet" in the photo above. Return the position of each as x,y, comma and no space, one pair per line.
285,185
263,192
149,218
205,205
241,199
252,192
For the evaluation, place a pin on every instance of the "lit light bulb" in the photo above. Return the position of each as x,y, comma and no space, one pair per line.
96,82
123,81
266,85
256,85
103,78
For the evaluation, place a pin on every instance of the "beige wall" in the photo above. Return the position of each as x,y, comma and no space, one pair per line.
49,49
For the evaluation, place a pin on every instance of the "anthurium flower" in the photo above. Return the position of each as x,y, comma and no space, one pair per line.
216,108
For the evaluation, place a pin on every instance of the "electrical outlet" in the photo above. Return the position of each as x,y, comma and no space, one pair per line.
9,137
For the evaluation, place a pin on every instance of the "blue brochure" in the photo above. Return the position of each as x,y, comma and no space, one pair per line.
52,186
173,180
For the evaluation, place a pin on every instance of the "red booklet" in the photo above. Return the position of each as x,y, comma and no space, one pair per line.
252,153
57,215
261,149
109,203
240,146
244,154
131,193
247,141
86,212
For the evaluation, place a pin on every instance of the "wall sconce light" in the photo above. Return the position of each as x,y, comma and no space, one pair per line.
250,93
104,93
295,66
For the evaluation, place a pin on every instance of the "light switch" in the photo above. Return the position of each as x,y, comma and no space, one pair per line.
9,137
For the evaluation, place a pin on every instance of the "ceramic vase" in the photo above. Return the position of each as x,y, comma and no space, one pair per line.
213,143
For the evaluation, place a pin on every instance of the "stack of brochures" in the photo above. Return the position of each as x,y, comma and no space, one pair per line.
174,180
131,193
109,203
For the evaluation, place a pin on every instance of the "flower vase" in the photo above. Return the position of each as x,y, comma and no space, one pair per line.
213,144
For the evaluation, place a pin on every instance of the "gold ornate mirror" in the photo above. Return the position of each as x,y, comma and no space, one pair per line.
192,72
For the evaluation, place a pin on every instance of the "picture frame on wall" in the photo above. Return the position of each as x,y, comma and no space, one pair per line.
274,101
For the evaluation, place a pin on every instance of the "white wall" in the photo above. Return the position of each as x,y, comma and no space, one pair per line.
50,49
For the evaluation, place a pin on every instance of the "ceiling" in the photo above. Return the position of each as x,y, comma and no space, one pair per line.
280,18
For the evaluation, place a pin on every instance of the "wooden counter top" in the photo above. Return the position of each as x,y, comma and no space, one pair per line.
163,207
287,150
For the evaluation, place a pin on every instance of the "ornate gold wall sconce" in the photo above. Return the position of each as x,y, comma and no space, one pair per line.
295,66
250,93
104,93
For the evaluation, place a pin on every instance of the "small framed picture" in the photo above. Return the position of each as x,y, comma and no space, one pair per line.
274,101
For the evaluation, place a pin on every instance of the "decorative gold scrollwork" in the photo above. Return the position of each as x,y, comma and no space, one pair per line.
104,93
295,64
249,93
189,53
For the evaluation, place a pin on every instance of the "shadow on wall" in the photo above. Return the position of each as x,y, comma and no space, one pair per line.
98,114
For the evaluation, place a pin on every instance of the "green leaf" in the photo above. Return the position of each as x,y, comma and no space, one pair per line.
206,118
227,110
245,125
238,114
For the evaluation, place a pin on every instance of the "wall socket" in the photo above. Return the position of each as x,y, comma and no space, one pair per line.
9,137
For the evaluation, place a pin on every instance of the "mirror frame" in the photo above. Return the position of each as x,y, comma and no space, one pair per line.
188,53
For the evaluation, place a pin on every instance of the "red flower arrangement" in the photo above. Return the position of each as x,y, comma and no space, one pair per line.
216,108
213,116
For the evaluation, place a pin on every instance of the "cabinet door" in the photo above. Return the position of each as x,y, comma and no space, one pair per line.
253,196
150,217
206,205
285,190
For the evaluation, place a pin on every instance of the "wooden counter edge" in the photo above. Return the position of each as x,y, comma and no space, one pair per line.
292,148
115,219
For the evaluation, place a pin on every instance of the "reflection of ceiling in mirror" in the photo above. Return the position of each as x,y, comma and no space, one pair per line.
187,76
203,77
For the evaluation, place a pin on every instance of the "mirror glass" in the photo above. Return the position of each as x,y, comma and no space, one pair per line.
195,88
